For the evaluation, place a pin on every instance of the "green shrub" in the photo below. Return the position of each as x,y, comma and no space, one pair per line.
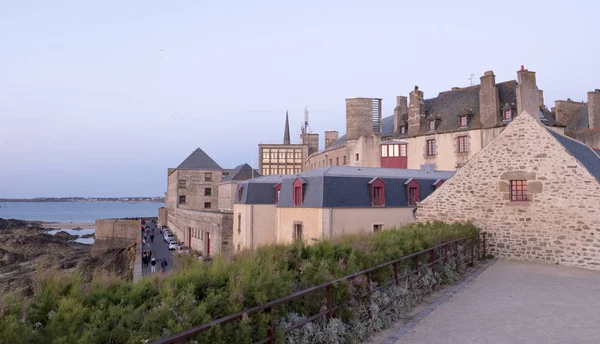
108,310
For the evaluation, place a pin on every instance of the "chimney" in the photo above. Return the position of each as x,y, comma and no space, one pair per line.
594,109
363,117
416,110
312,141
528,97
400,110
541,98
565,111
330,137
489,101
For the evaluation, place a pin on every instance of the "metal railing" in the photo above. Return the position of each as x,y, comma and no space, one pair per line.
472,247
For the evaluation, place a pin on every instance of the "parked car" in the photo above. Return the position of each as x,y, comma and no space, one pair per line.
169,237
167,232
173,245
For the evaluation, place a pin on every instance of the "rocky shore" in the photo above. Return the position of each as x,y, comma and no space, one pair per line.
27,252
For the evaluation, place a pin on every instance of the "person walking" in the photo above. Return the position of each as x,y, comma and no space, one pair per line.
153,264
152,238
163,265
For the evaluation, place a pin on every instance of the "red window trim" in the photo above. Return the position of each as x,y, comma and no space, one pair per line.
518,191
413,184
240,190
298,192
462,148
461,119
377,192
277,190
431,124
505,113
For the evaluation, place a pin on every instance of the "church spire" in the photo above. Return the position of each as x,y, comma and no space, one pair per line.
286,132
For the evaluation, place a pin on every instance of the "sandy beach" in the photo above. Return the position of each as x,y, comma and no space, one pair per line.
69,225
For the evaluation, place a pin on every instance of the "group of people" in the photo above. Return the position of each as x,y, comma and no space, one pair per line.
147,239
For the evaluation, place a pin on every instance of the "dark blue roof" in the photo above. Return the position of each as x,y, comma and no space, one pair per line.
584,154
199,160
341,186
241,172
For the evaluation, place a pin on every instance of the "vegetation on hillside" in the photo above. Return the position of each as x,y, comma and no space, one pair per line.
65,309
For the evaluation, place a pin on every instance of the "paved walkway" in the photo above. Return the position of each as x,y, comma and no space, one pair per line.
517,302
160,251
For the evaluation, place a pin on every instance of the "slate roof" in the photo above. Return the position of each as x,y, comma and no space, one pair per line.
199,160
341,186
597,151
241,172
584,154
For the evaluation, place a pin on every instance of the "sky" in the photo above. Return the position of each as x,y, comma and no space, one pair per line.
99,98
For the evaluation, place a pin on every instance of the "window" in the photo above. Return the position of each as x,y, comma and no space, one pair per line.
207,192
281,154
265,171
462,144
377,192
463,121
384,151
289,154
396,153
518,190
431,147
265,154
297,235
402,130
431,124
207,205
507,115
344,160
182,183
208,176
337,161
277,192
402,150
377,196
377,228
413,195
181,199
240,191
274,154
298,188
357,157
298,154
239,223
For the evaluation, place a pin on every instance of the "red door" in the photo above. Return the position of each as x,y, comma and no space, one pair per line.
207,244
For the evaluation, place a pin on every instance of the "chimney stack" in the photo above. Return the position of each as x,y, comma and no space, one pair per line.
594,109
416,110
489,101
528,97
565,111
400,110
330,137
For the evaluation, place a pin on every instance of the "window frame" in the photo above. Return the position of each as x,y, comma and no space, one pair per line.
179,199
431,124
403,150
208,192
344,160
462,147
507,115
377,192
402,130
430,147
377,227
357,156
209,205
208,176
413,184
463,121
518,191
298,196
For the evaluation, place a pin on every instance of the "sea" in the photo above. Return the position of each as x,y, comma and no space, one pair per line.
87,212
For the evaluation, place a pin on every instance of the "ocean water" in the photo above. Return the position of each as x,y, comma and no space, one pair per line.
87,212
80,232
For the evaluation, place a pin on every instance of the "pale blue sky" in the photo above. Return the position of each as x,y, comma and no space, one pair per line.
99,98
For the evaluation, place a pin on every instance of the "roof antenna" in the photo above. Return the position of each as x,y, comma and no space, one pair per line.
471,78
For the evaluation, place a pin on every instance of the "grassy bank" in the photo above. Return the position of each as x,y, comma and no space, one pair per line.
65,310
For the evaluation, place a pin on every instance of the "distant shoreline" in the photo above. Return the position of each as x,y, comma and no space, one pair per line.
67,225
73,201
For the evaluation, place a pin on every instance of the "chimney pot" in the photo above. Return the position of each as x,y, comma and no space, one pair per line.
522,68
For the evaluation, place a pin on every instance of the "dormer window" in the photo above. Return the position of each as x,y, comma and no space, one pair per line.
507,115
402,130
298,191
277,192
463,121
413,191
377,192
431,124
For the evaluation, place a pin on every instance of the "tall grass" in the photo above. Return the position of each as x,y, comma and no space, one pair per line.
63,310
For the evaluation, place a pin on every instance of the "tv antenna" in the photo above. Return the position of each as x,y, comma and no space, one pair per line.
471,78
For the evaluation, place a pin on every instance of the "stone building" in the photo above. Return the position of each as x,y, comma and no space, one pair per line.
445,131
191,205
228,186
286,158
535,192
581,118
328,202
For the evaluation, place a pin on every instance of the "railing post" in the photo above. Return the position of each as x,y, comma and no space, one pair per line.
396,273
484,248
271,330
417,264
329,302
